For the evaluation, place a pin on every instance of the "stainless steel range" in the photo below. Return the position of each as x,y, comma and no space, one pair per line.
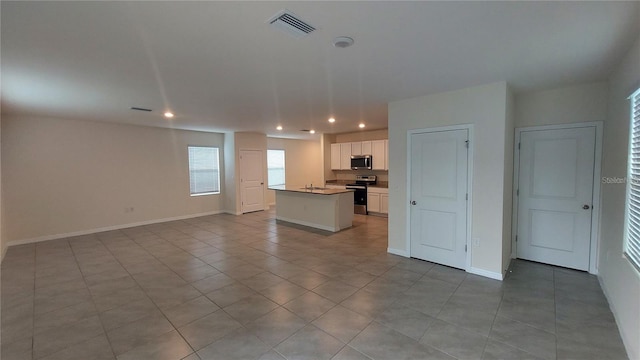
360,195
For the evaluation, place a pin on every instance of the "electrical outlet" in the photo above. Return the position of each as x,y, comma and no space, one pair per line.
476,242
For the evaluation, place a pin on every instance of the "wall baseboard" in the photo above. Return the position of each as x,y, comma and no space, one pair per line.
398,252
107,228
485,273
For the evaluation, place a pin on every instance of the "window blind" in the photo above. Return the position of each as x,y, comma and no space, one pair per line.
632,231
204,172
275,167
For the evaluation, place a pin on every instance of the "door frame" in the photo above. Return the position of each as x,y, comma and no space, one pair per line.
470,156
594,242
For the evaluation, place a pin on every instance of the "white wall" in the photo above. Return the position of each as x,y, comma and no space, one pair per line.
3,245
507,201
231,191
304,162
484,107
65,176
579,103
620,281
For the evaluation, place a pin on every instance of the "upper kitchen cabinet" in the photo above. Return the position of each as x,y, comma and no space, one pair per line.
386,154
379,154
356,148
345,156
335,157
366,148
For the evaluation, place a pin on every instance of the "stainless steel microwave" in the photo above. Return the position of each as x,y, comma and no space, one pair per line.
360,162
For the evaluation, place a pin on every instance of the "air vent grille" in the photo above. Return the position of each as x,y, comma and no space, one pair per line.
139,108
288,22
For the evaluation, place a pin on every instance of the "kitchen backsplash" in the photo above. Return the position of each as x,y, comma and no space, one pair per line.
351,174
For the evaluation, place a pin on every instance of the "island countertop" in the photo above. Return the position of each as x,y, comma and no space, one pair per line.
315,190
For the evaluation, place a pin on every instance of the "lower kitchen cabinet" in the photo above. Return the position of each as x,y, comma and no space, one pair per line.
373,202
384,203
378,200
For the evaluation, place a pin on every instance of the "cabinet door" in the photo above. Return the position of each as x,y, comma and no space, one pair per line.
366,148
384,203
373,202
356,148
335,156
345,156
386,154
378,155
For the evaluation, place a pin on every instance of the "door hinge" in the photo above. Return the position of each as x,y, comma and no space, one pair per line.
467,197
465,247
516,238
466,143
518,192
518,146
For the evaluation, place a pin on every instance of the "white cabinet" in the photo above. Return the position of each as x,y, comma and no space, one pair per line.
345,156
335,157
341,154
356,148
384,203
373,202
378,200
378,153
386,154
366,148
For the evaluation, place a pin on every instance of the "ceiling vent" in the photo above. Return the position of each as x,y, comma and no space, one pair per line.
288,22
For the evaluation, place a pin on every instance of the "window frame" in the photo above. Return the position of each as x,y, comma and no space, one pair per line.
217,170
631,245
284,168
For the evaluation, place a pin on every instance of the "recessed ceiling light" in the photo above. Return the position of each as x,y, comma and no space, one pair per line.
332,120
312,131
168,114
279,127
342,42
361,126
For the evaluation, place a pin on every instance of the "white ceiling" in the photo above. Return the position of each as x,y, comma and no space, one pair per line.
220,67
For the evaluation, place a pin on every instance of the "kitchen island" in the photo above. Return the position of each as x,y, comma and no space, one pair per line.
320,208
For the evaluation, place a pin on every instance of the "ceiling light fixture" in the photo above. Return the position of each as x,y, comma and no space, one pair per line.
279,127
312,131
332,120
342,42
168,114
361,126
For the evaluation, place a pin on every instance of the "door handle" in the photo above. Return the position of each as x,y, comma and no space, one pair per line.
262,183
586,207
413,202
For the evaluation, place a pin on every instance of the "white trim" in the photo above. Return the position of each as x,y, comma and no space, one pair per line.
109,228
398,252
485,273
597,169
309,224
470,156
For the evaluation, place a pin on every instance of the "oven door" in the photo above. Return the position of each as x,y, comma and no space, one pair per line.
359,199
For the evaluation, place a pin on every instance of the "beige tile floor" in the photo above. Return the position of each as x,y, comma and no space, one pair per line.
246,287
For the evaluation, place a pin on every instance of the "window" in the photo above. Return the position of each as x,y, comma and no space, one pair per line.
275,167
632,221
204,174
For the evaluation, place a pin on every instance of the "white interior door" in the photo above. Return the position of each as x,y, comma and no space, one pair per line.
556,196
251,180
439,197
